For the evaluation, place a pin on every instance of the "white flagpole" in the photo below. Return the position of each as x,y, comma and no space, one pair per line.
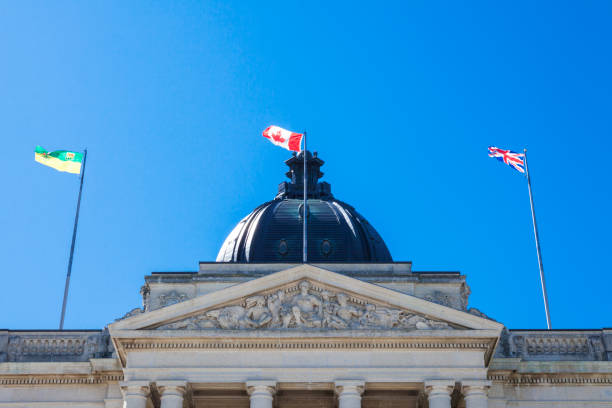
537,242
304,233
74,231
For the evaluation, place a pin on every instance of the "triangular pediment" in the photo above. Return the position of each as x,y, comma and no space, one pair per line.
305,298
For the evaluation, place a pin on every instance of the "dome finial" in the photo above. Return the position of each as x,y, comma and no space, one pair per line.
294,188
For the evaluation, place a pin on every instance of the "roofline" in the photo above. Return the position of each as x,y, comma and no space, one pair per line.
560,330
173,273
309,263
52,330
414,272
437,272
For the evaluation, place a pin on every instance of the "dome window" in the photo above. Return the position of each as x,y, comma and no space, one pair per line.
283,248
326,247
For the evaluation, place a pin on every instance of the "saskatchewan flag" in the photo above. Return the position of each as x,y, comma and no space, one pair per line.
61,160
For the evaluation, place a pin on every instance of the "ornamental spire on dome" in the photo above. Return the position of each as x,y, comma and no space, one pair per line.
295,188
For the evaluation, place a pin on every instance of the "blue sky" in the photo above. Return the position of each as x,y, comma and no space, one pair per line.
401,99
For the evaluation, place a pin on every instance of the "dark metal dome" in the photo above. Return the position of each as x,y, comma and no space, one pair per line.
273,231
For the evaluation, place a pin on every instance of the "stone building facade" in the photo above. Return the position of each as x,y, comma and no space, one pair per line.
260,329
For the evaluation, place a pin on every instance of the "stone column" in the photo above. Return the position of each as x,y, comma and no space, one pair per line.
475,393
349,393
439,392
261,393
171,393
135,393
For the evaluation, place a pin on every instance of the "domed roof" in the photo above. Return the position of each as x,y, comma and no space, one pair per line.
272,232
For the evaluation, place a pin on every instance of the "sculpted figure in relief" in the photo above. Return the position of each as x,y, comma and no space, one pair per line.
345,315
231,317
305,310
328,309
257,314
380,317
275,304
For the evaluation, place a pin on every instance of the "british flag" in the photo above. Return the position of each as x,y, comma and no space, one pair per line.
509,157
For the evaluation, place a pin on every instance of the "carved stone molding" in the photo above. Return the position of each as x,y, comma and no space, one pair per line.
60,379
305,305
170,298
515,379
556,345
275,343
56,346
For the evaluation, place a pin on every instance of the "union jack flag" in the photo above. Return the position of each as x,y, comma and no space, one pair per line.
509,157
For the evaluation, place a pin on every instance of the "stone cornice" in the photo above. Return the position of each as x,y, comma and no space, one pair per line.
550,378
304,344
515,371
137,344
94,371
60,379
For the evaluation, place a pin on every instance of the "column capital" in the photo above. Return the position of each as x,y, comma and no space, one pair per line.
261,393
349,386
475,393
172,387
349,393
135,388
135,393
439,386
439,392
261,386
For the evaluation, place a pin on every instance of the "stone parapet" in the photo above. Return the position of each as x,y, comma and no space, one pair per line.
54,346
556,345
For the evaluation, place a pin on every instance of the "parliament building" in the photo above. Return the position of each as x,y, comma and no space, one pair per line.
350,328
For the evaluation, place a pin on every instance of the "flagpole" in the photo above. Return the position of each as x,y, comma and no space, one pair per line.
304,233
74,231
537,242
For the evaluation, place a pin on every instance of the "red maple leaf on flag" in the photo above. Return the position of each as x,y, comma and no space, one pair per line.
283,138
276,136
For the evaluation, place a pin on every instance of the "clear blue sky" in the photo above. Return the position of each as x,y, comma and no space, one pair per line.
400,98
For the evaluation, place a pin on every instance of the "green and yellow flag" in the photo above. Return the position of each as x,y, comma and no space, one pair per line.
61,160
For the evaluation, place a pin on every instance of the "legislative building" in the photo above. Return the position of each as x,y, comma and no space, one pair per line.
350,328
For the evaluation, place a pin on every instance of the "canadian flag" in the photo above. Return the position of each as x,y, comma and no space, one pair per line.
284,138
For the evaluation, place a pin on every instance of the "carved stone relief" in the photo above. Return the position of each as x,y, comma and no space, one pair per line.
145,291
170,298
52,347
557,345
305,306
